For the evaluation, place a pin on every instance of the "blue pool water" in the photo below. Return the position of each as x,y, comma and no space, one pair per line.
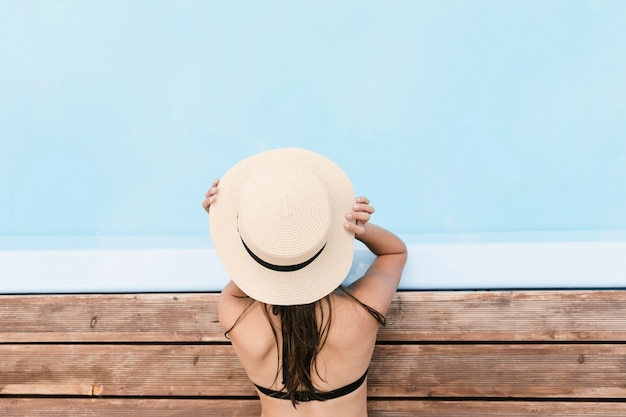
471,125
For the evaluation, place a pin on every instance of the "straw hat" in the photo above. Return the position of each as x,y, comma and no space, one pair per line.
277,226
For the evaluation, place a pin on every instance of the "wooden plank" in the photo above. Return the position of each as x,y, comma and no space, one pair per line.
126,370
493,408
500,371
414,316
105,407
508,316
412,371
110,318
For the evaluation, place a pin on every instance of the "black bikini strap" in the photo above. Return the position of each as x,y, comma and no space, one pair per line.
305,396
340,392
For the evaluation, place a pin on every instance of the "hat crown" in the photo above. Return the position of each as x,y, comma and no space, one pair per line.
284,214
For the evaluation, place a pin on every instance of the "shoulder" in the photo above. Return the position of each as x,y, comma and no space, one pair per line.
378,286
232,304
353,312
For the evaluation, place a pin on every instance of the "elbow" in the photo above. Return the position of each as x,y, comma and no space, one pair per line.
401,252
402,248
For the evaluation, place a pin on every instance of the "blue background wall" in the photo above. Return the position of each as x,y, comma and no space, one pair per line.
452,116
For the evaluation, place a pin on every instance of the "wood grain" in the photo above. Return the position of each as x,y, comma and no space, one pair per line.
105,407
451,353
110,318
508,316
582,316
410,371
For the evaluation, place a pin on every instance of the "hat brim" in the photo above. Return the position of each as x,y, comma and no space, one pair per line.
303,286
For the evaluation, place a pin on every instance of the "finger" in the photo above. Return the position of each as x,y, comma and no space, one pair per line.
359,216
363,200
212,191
354,228
206,204
358,207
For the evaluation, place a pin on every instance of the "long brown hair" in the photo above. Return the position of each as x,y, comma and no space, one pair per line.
303,336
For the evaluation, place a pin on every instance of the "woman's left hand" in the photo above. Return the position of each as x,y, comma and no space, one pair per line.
210,196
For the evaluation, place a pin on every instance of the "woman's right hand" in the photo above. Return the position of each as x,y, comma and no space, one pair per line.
359,216
210,196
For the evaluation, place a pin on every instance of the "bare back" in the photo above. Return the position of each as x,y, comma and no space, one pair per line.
343,359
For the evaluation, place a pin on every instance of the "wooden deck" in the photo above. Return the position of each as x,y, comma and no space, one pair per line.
483,353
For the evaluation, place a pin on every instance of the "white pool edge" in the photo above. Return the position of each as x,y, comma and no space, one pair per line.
439,266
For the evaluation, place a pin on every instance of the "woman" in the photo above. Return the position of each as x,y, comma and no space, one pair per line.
283,223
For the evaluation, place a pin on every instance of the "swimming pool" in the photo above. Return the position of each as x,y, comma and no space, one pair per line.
489,135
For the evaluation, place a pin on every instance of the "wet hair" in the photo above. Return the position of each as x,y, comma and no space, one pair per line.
303,337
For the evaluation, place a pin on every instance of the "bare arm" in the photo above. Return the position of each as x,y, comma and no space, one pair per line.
377,287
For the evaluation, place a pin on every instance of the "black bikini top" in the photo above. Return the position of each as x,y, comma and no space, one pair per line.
303,396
